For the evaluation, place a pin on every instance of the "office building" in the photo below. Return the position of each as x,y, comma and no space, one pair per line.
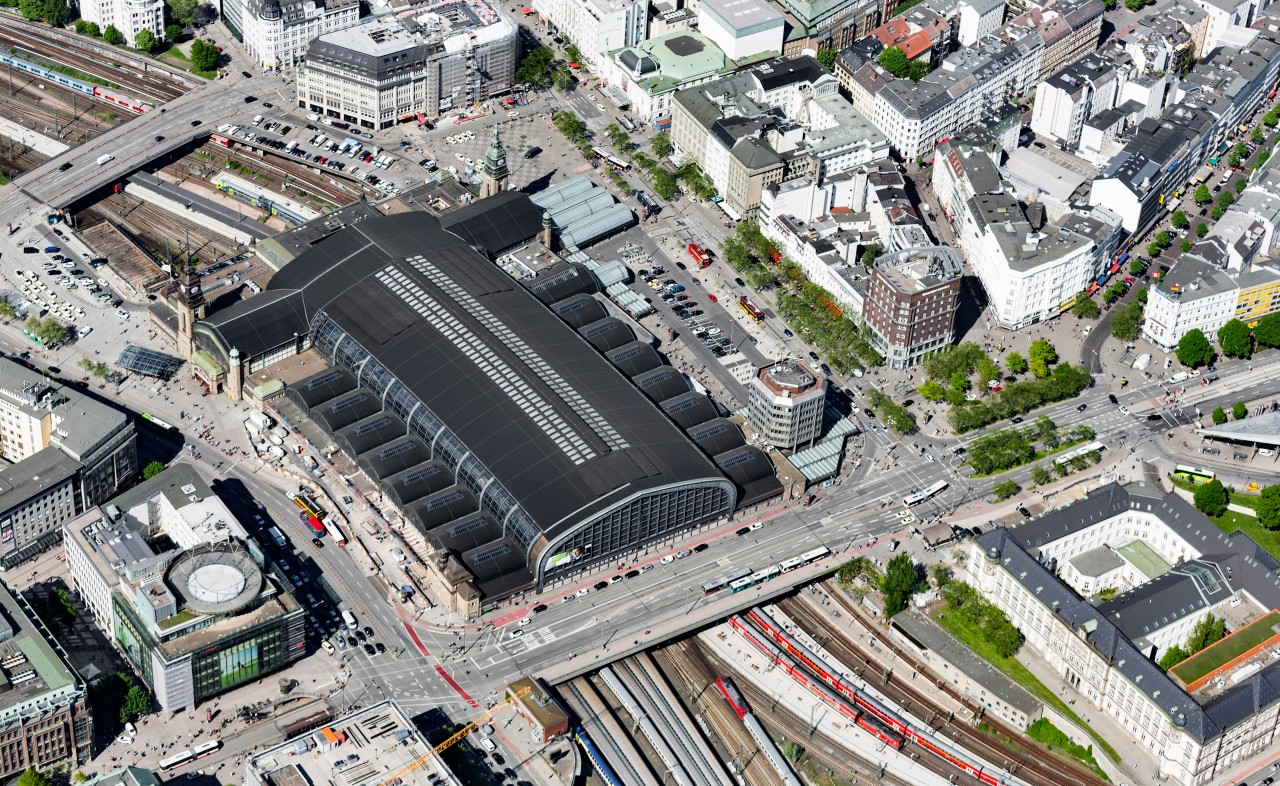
183,592
1031,271
768,124
596,27
603,466
911,303
1172,568
275,33
130,17
44,705
66,451
786,404
380,73
741,28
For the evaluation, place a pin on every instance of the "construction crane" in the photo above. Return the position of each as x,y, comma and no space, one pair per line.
470,727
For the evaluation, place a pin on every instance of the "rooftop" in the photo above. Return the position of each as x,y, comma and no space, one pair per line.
80,423
36,677
357,750
1194,279
665,63
919,269
743,16
788,378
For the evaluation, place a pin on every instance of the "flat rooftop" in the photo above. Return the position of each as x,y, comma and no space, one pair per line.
37,668
362,749
919,269
788,378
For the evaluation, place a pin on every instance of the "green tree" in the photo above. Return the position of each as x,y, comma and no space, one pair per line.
960,382
828,58
1136,267
1239,411
1194,350
1179,220
1184,246
664,184
1202,230
1126,323
988,372
1267,331
918,70
7,309
569,124
895,62
1219,416
940,573
152,469
113,36
1163,239
1268,507
1142,295
1041,349
1207,632
1086,308
899,582
34,777
535,68
49,331
1211,498
183,11
1235,339
1153,249
572,54
933,391
1016,363
172,33
84,27
1241,185
1257,135
204,55
1203,195
661,144
136,703
1172,657
870,254
1040,475
1005,489
144,41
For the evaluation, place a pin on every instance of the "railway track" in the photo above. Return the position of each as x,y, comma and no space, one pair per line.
737,746
602,726
1046,771
144,85
704,667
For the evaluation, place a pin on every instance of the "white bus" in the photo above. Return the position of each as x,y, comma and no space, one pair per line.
929,493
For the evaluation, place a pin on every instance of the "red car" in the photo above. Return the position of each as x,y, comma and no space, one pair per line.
712,298
1128,279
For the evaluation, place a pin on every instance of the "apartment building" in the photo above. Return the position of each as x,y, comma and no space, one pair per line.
596,27
824,24
1193,295
130,17
376,74
1142,180
826,248
1173,568
1079,92
1071,29
276,33
911,303
66,452
970,20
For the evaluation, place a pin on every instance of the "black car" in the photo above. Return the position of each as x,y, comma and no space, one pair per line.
601,585
159,137
743,531
246,75
250,99
311,127
1024,511
541,607
380,647
351,642
701,547
64,167
317,543
631,574
681,266
1016,421
868,413
368,631
532,152
360,637
1082,408
369,650
814,355
195,123
1112,398
1154,417
739,282
267,104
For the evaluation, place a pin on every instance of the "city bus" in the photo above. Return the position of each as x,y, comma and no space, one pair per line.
926,494
335,532
205,748
715,585
158,424
317,526
750,309
176,760
1194,474
308,506
1079,452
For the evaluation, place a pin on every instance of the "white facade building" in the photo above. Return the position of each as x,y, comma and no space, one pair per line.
1192,295
741,28
276,33
597,26
130,17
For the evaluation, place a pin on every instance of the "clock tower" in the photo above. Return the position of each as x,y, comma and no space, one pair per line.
190,307
494,168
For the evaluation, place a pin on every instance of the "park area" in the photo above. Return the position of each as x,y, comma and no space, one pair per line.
1194,670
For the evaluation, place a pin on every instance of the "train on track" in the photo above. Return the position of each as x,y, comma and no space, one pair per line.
79,85
765,743
799,662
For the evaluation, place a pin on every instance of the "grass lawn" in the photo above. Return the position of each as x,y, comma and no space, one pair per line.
973,639
1238,643
1231,520
1044,732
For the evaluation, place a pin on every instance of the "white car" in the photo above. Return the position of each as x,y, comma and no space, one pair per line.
1124,410
525,621
488,745
515,634
327,647
667,560
120,312
600,107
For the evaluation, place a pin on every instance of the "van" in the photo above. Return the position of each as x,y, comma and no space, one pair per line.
257,120
313,117
349,620
105,158
1181,375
